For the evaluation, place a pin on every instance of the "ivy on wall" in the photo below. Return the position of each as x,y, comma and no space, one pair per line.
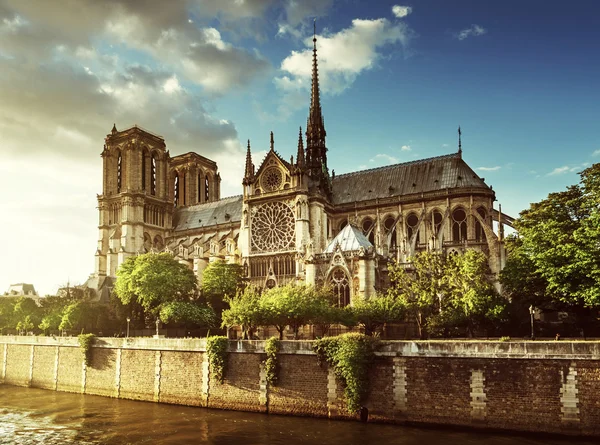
271,365
350,356
216,348
85,344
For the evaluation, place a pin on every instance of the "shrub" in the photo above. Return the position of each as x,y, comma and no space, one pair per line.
85,344
350,356
216,348
271,366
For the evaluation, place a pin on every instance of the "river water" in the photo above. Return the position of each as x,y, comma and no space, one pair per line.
35,416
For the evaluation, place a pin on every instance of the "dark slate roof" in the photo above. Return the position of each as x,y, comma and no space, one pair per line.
209,214
420,176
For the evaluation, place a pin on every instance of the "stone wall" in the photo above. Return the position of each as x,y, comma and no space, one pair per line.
551,387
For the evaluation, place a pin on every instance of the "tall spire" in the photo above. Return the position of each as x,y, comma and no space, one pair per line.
248,173
316,151
459,141
300,155
272,142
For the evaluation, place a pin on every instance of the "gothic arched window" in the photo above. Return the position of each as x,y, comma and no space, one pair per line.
176,190
390,229
369,229
144,166
153,175
199,195
412,225
479,232
206,189
338,280
436,222
459,224
119,171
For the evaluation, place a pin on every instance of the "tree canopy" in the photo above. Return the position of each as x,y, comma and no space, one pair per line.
152,279
556,257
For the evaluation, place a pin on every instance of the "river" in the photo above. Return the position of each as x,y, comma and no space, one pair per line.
36,416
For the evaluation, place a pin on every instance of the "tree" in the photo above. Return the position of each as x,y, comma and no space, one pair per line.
154,279
187,313
373,313
221,281
245,310
559,248
472,297
422,289
293,305
7,313
27,314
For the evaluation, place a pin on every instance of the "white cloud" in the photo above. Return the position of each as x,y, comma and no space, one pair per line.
406,148
596,153
171,85
401,11
488,169
473,30
559,170
342,56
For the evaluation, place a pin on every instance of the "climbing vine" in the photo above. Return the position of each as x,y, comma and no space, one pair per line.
350,356
216,348
85,344
271,348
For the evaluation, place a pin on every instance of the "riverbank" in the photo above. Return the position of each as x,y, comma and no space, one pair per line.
547,387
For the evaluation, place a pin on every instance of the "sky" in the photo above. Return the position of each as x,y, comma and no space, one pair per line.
397,78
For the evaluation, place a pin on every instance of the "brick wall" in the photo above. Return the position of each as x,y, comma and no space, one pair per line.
18,361
44,364
541,387
181,378
100,375
137,374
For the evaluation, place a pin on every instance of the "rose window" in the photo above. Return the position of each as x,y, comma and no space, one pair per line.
272,179
273,227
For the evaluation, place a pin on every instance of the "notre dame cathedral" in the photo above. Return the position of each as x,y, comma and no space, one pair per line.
294,220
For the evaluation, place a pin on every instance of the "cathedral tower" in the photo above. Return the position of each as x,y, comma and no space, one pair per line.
134,207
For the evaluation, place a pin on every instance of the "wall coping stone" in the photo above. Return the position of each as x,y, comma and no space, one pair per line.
560,350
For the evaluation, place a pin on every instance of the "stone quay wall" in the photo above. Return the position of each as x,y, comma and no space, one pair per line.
550,387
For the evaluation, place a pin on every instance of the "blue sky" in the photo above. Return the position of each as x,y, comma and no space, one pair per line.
520,77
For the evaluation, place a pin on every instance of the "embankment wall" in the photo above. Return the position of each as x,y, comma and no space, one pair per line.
550,387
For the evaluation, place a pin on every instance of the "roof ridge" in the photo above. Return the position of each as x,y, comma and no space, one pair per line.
230,198
416,161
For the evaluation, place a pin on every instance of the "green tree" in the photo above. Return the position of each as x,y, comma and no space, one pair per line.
472,297
422,289
559,249
27,314
293,305
221,281
187,313
373,313
7,313
151,280
245,310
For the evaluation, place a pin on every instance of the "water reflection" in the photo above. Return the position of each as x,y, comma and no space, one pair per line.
34,416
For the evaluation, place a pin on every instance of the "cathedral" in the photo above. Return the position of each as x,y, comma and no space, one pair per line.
294,221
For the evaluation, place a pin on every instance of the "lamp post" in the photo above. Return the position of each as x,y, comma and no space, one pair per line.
531,312
128,320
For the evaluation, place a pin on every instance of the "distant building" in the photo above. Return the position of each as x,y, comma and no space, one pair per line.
22,290
294,220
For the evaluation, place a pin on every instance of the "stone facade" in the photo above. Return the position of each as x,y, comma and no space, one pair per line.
294,220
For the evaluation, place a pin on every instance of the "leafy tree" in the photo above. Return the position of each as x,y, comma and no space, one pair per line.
374,313
26,313
50,322
7,313
559,248
245,310
221,281
473,298
153,279
187,313
293,305
422,289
